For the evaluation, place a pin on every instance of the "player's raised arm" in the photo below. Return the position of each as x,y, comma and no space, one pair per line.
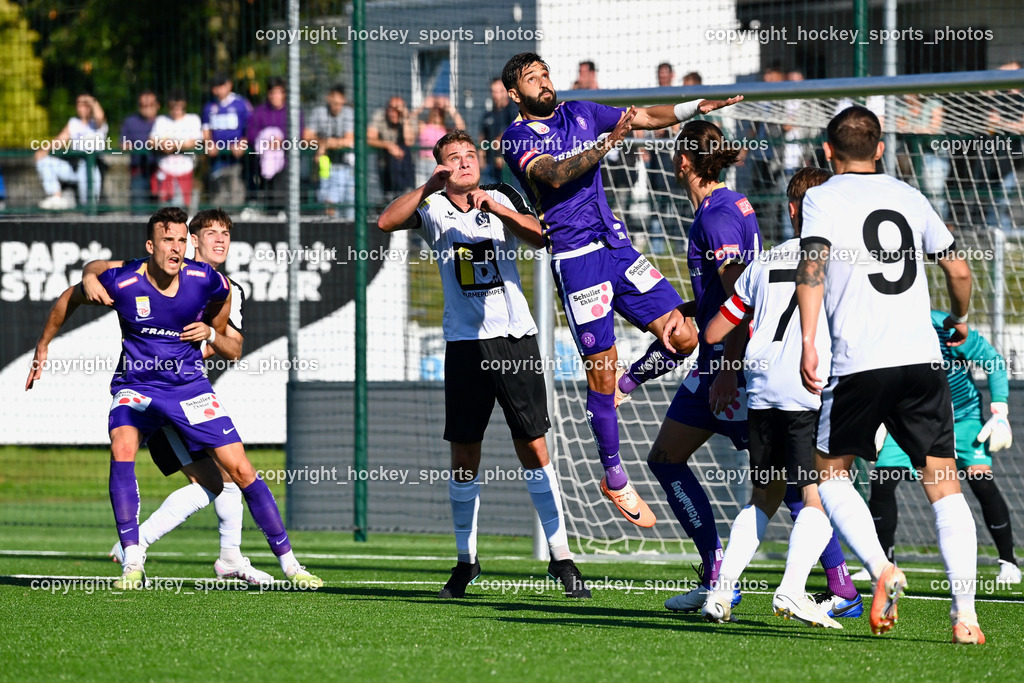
524,226
557,173
93,290
958,284
665,115
810,291
62,309
401,213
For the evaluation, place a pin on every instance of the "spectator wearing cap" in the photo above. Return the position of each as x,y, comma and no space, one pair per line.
224,119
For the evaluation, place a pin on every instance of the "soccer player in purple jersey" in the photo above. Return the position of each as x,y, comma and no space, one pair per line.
554,150
161,379
723,238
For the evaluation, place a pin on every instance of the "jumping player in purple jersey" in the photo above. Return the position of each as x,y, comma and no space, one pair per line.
723,238
161,380
554,150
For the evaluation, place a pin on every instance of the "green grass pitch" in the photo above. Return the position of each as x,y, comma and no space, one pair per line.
379,616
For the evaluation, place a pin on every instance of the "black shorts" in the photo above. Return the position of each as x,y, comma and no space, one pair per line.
912,400
782,446
169,451
478,371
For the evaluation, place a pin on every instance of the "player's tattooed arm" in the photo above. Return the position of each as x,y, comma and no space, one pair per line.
93,290
61,310
810,291
557,173
958,284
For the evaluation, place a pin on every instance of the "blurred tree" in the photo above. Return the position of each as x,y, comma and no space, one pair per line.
22,119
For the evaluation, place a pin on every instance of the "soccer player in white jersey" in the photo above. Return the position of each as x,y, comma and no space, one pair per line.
781,415
865,236
211,236
491,347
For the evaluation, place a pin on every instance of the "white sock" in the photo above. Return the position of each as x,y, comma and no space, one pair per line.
229,511
851,518
547,500
958,544
744,538
811,533
133,553
465,498
287,561
175,509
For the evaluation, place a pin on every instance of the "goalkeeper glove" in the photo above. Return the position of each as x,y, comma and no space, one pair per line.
997,430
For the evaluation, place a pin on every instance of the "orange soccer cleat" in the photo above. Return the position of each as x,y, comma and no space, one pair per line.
629,504
888,590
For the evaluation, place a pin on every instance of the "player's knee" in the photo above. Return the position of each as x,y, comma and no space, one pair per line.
122,451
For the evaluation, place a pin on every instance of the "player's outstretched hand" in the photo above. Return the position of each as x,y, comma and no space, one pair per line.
676,320
194,332
809,370
622,128
36,371
437,179
708,106
722,391
960,331
94,291
479,199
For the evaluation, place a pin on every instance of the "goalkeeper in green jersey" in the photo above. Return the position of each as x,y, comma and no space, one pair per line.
976,440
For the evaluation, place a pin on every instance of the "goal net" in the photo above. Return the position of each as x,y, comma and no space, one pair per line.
961,149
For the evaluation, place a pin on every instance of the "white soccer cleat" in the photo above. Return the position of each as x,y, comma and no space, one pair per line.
133,577
302,578
1008,573
242,570
801,608
718,607
117,553
688,602
862,575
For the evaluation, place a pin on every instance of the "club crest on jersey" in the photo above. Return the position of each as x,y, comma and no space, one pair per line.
582,121
744,206
539,127
130,281
483,219
591,303
142,307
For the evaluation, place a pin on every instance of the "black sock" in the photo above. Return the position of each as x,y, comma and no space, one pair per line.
995,512
882,504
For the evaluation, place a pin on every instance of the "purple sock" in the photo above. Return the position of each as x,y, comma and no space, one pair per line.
654,363
263,509
124,498
605,426
832,559
692,508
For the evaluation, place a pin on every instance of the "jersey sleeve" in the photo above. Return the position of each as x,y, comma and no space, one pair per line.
428,228
742,302
108,277
937,238
977,350
604,117
816,226
521,148
725,238
237,316
217,286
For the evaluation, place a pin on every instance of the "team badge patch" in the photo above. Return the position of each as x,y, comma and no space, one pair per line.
643,275
582,121
591,303
744,206
202,408
539,127
142,307
132,399
483,219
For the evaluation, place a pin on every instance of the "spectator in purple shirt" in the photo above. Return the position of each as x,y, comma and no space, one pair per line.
269,138
135,140
224,126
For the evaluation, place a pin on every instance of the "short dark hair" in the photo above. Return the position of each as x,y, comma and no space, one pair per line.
338,88
276,82
208,217
589,64
694,76
165,216
665,65
176,95
515,67
219,78
703,144
457,135
854,134
805,179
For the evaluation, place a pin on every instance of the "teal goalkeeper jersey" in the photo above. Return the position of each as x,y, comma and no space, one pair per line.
958,361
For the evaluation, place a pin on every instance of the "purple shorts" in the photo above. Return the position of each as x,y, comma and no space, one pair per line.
194,410
594,280
691,406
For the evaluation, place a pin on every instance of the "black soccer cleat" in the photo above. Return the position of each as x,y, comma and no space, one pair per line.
568,574
463,574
